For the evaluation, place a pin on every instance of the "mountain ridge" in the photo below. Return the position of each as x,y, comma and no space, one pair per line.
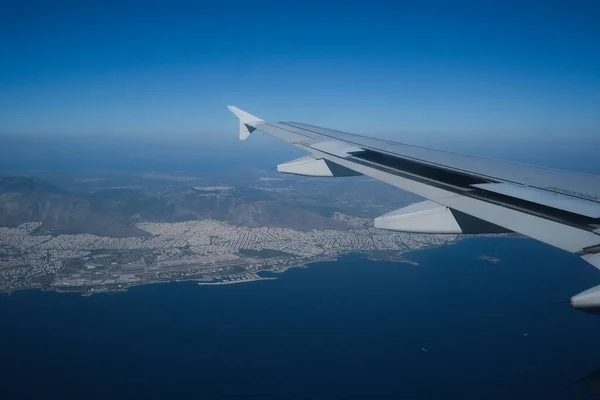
115,212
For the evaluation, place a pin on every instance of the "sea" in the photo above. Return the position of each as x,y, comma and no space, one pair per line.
453,326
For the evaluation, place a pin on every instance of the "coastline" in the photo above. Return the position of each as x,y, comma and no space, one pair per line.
377,256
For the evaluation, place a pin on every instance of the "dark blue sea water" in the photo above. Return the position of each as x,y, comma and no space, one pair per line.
452,327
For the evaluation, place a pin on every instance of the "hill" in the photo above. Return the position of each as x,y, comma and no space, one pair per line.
134,206
114,212
29,199
251,208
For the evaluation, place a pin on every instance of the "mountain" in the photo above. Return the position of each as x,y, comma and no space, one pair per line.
250,208
205,203
29,199
115,212
281,215
133,206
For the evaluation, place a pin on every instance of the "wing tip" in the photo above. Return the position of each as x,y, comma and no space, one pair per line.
243,116
245,119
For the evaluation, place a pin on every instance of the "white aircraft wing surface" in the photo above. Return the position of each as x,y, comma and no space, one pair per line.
467,194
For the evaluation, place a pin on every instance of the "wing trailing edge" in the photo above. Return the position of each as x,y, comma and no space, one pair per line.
547,198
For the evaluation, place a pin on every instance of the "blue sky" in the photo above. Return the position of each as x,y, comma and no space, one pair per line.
420,71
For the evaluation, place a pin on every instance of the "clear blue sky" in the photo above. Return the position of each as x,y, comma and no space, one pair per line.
437,69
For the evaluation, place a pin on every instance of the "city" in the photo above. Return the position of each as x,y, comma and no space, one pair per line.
208,251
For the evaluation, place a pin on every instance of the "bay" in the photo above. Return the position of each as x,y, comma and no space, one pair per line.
454,326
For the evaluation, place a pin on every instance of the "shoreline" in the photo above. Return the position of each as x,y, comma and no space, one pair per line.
371,256
232,282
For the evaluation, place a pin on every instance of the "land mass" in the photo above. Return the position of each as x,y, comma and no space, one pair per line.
491,259
94,241
206,250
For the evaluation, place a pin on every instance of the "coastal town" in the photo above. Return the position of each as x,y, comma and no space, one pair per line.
207,251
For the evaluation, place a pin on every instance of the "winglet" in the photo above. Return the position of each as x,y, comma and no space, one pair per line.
246,121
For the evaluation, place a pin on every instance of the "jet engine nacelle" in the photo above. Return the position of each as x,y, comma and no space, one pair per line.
587,301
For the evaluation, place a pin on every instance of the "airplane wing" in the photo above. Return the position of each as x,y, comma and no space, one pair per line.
466,194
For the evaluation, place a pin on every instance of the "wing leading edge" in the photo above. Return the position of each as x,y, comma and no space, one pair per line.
466,194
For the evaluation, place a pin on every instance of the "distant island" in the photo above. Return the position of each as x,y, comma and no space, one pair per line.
491,259
391,256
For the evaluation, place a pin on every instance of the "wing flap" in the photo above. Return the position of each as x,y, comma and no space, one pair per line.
336,148
567,203
563,236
